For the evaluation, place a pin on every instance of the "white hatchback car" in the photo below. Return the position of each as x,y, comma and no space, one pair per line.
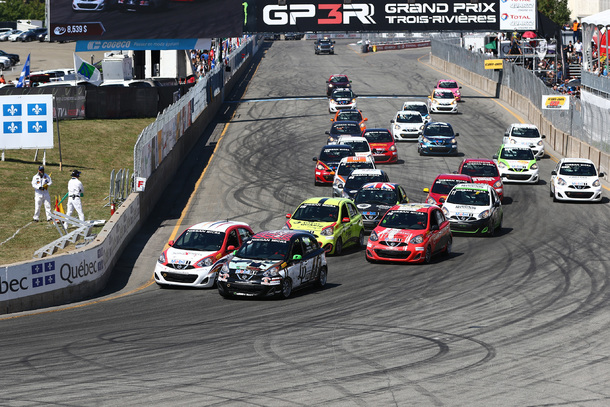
576,179
360,145
193,260
407,125
345,168
443,101
522,134
418,106
517,164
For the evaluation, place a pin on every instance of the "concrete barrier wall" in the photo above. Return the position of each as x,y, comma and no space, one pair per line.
80,274
563,143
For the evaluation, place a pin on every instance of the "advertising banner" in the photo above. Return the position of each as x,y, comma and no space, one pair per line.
494,64
374,15
556,102
518,15
27,122
131,19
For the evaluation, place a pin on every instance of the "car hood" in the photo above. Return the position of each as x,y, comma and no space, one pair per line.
485,180
578,180
251,266
464,210
314,227
372,207
439,138
396,235
519,164
179,256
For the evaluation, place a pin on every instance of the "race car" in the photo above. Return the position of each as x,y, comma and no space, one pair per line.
382,145
350,115
337,81
358,143
576,179
345,168
328,161
93,5
418,106
341,98
483,171
442,185
335,222
357,178
450,84
437,138
474,208
407,125
343,128
443,101
273,263
517,164
410,233
193,260
375,198
525,135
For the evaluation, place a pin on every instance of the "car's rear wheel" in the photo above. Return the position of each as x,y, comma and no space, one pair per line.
286,289
322,277
338,247
362,240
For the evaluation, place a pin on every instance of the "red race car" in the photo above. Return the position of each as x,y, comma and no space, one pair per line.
328,161
410,233
336,82
382,145
483,171
442,185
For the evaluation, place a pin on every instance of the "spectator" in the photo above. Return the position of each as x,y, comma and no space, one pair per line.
569,50
578,50
2,80
575,29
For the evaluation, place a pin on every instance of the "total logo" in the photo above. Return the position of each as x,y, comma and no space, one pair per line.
329,14
504,17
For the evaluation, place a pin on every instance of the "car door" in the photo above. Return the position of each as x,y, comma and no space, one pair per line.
297,268
496,208
434,231
345,226
355,221
311,258
444,228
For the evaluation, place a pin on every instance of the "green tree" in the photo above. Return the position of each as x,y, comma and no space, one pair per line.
556,10
13,10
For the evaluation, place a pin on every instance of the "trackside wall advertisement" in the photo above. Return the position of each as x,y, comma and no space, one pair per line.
374,15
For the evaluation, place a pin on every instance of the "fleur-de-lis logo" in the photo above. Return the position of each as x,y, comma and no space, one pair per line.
37,127
36,109
12,110
13,128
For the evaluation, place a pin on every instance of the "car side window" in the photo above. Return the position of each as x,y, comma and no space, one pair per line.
495,197
244,234
352,210
232,239
311,245
297,248
440,218
344,212
433,219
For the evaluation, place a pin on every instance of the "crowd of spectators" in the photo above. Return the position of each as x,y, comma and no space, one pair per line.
204,60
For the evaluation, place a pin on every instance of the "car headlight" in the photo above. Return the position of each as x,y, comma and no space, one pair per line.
561,181
419,239
338,185
397,127
596,183
320,167
328,231
502,165
332,139
421,128
540,143
330,85
225,268
272,272
392,147
373,236
162,259
425,140
534,166
512,141
498,184
446,212
453,102
453,141
353,100
430,201
205,262
484,214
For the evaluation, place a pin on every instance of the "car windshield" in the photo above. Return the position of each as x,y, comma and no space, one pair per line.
339,79
376,196
345,128
444,186
356,181
408,118
324,42
526,132
358,146
421,108
342,94
517,154
378,136
448,85
578,169
200,240
264,249
316,213
405,220
347,168
438,129
335,154
349,115
480,169
474,197
443,94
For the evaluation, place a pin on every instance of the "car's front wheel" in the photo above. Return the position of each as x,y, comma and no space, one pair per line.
338,247
223,291
428,255
286,289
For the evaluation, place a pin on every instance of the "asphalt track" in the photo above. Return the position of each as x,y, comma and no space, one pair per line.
520,319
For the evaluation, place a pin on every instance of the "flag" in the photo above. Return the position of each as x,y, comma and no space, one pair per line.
25,72
87,72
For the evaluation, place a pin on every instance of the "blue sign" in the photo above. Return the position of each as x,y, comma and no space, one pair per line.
37,109
37,127
12,128
11,109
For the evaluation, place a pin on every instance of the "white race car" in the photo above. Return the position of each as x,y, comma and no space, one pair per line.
517,164
443,101
576,179
407,125
342,98
521,134
195,258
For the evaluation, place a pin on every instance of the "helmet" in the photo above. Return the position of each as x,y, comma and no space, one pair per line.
76,173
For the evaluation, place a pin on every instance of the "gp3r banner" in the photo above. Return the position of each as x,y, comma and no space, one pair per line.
371,15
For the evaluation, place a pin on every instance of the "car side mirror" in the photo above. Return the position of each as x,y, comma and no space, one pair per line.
365,119
457,134
459,87
334,42
170,243
288,215
553,172
429,97
497,204
495,157
506,134
426,189
327,132
392,121
315,158
297,257
345,220
441,200
434,227
231,248
543,136
332,120
601,175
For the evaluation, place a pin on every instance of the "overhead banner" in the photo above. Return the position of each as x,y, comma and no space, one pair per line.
142,45
372,15
27,122
129,19
518,15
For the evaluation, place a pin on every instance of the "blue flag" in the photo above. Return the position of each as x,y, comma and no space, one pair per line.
25,72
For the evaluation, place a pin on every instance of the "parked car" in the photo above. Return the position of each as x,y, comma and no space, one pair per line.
4,35
31,34
13,37
93,5
142,5
43,36
14,57
5,62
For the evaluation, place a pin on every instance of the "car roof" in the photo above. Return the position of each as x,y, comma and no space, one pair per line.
218,226
338,76
380,185
356,159
367,171
473,185
326,201
576,160
413,207
524,125
454,176
480,160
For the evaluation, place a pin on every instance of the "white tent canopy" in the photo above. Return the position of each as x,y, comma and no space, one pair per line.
602,18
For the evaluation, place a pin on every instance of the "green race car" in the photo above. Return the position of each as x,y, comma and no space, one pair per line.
335,222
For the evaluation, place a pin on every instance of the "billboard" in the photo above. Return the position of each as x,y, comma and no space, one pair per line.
144,19
27,122
519,15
